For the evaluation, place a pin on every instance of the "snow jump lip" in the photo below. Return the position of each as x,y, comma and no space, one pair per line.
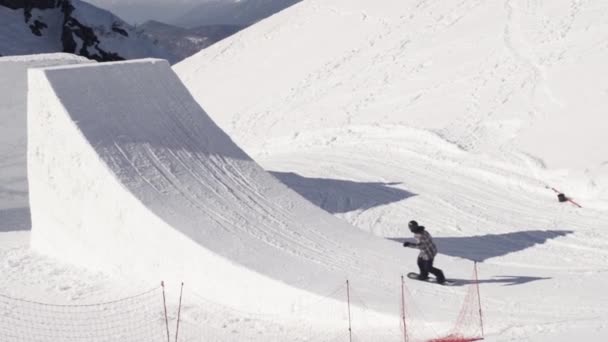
128,174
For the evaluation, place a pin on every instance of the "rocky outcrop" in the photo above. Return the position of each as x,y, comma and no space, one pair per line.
40,4
28,5
116,28
73,28
37,26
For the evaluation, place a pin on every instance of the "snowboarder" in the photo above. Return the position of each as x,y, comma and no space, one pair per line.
428,250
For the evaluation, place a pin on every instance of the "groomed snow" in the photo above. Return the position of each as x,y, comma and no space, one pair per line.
521,80
543,263
145,186
454,113
128,175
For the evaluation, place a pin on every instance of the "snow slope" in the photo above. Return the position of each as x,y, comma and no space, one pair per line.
150,177
519,80
454,113
544,263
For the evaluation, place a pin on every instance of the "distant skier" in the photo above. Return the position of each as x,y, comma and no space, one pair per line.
428,250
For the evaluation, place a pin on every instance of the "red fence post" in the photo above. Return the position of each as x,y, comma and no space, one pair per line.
403,308
179,311
162,283
478,299
350,330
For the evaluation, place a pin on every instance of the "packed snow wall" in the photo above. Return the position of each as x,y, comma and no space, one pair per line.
128,174
13,132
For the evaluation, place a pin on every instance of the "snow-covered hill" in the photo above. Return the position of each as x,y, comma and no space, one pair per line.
469,108
521,81
71,26
377,111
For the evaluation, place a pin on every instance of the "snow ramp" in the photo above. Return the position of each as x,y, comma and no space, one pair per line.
127,173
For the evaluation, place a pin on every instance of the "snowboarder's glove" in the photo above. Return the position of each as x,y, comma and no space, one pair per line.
406,244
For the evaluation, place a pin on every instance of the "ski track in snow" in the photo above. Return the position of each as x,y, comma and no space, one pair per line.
193,183
457,194
544,263
463,197
508,89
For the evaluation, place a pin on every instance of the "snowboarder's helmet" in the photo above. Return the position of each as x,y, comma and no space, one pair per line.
413,225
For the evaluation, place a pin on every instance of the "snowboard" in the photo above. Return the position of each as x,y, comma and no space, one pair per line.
448,282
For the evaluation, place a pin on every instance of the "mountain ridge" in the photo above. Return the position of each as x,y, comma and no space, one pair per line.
240,13
71,26
182,42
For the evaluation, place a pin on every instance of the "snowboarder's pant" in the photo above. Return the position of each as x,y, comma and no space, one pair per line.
426,266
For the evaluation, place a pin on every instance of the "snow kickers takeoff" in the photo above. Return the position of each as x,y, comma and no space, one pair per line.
562,197
155,165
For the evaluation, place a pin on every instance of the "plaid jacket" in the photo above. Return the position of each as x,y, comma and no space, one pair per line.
424,242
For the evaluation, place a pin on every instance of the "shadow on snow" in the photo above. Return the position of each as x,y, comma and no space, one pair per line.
504,280
15,219
341,196
483,247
